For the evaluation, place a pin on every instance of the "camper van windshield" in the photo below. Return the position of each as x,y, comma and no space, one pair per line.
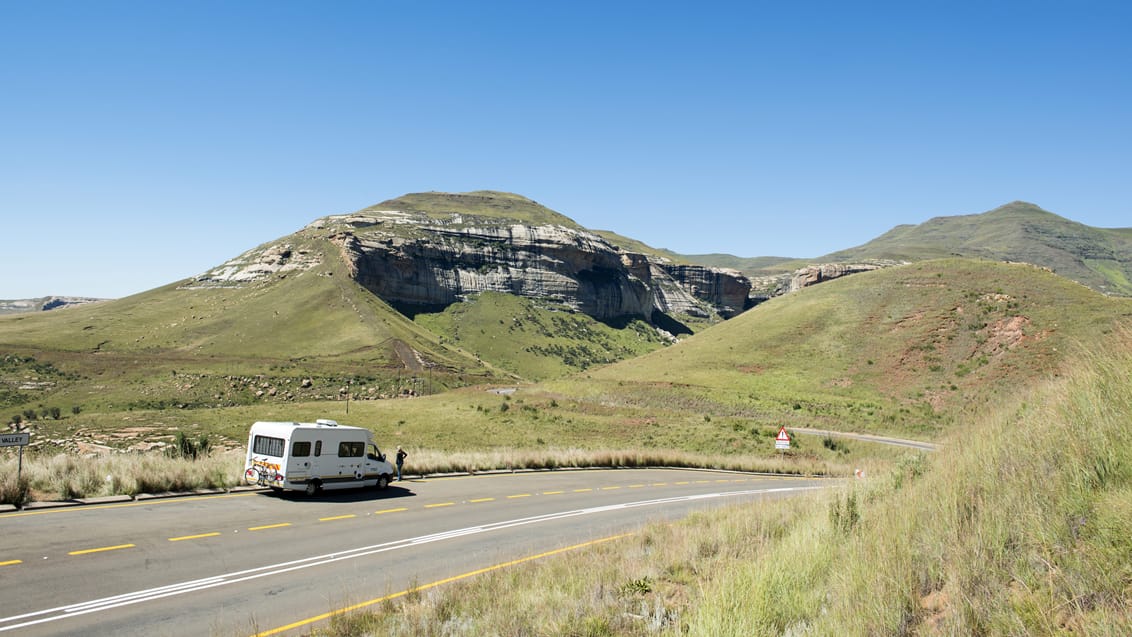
268,446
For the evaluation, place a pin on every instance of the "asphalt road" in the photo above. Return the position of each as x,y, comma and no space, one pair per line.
256,563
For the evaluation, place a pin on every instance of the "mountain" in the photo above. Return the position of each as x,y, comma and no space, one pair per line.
328,313
424,252
1097,257
460,288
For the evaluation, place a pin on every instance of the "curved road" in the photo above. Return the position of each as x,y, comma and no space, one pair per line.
253,563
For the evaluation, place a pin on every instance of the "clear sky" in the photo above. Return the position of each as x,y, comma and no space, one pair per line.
146,142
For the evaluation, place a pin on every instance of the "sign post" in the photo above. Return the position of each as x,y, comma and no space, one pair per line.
20,440
782,440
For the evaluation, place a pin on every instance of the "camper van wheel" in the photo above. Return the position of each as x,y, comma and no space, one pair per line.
313,486
382,482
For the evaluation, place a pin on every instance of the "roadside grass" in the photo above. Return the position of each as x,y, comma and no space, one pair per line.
1022,524
66,477
645,584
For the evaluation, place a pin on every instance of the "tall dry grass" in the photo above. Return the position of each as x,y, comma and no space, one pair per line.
429,461
1022,526
645,584
65,477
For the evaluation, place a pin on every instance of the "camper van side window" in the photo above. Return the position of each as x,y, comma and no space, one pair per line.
301,449
351,449
317,448
268,446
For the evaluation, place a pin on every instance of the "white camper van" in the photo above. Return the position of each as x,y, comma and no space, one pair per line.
310,457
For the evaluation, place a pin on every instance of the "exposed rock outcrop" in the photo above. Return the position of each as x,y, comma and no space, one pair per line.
814,274
441,264
424,260
257,264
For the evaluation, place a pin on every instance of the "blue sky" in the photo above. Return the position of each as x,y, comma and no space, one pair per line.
145,142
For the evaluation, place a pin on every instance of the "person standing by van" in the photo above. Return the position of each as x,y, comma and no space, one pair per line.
401,455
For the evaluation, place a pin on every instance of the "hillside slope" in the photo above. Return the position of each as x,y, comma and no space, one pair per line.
1097,257
265,334
902,350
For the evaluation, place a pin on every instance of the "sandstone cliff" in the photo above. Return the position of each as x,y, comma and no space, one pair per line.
437,264
424,259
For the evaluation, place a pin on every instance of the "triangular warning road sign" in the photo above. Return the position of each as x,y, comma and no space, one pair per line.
782,435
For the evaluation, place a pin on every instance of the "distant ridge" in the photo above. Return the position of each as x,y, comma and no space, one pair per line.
43,303
1019,231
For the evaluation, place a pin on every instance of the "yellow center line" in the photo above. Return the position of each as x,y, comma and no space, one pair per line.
482,500
104,548
338,517
520,495
447,580
636,486
582,490
193,537
703,481
722,480
439,504
659,484
137,503
11,562
269,526
683,482
553,492
609,488
397,510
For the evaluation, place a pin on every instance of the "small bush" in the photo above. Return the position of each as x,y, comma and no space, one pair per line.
186,447
13,490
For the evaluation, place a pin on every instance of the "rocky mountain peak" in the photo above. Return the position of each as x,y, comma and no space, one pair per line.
423,252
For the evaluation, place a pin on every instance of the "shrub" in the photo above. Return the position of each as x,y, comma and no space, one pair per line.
13,490
186,447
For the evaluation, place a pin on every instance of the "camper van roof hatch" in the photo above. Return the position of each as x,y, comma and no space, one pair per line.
327,422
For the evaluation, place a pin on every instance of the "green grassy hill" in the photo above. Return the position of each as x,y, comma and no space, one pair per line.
290,336
489,204
533,339
1100,258
901,350
1097,257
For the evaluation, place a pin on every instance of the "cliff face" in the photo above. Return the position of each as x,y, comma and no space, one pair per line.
426,262
424,256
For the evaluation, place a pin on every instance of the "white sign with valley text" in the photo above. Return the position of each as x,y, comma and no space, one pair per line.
15,440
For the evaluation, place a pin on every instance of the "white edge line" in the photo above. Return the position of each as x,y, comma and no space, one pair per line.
127,599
